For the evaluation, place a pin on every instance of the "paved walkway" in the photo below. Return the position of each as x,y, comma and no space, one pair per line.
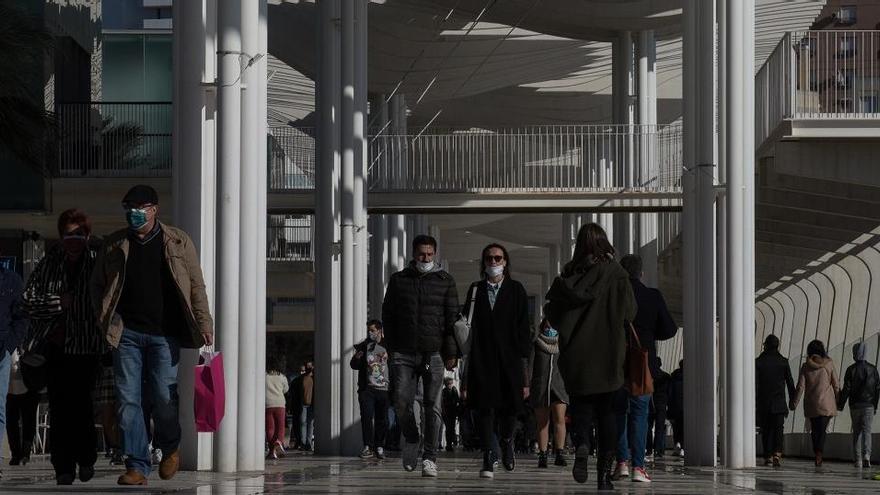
300,473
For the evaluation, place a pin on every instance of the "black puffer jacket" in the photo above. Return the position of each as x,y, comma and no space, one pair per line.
861,383
419,312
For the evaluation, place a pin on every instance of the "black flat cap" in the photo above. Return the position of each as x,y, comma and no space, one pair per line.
141,194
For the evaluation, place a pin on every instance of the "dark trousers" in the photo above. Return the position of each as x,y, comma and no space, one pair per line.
449,421
657,431
489,419
71,381
677,421
589,410
818,425
21,422
772,428
374,416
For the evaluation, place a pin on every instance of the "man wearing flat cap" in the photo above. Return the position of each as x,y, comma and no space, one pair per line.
149,295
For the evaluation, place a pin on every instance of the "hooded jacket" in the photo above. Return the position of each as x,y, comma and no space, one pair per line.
589,308
819,385
545,378
861,382
419,312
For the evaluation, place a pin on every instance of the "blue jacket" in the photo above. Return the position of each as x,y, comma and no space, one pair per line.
13,322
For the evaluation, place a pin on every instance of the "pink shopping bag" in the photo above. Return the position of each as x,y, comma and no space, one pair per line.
210,392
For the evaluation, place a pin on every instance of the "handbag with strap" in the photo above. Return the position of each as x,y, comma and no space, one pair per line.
638,372
463,325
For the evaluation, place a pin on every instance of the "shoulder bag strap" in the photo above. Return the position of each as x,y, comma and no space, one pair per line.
635,335
473,301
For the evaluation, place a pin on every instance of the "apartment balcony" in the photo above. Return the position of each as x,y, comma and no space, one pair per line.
819,85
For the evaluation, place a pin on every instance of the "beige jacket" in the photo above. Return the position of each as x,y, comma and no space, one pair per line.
108,278
819,385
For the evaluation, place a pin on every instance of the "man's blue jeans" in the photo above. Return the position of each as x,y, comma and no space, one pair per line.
151,360
632,428
306,424
5,369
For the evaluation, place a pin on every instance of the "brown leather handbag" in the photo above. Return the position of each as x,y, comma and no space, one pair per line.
638,372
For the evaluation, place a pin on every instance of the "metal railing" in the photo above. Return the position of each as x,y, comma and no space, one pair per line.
289,238
532,159
101,139
818,75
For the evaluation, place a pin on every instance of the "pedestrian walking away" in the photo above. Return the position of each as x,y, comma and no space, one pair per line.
588,304
450,407
65,332
419,313
21,414
772,381
652,323
861,387
498,358
149,295
13,326
818,384
371,362
276,388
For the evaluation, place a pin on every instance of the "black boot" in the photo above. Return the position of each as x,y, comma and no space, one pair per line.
508,458
604,467
542,459
581,459
560,458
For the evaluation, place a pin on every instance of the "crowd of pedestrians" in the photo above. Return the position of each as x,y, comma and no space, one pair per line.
99,324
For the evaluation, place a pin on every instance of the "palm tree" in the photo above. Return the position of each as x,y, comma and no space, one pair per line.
25,124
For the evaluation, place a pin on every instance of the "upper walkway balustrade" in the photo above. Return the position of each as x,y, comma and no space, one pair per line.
597,158
818,75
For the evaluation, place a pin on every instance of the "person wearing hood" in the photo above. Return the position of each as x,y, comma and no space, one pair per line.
547,394
500,345
772,380
419,313
819,385
588,304
371,362
861,386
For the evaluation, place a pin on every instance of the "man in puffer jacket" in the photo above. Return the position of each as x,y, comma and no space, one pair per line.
419,313
861,385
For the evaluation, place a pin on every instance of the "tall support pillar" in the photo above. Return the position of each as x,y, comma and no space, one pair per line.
327,218
360,171
570,225
194,183
739,29
378,263
647,222
698,224
261,85
624,113
228,228
249,371
554,261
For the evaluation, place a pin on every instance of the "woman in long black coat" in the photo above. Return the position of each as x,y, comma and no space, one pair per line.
500,346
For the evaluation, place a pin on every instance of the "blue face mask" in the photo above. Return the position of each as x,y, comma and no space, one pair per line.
136,218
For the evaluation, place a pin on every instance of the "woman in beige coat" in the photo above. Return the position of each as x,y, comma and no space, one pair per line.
819,385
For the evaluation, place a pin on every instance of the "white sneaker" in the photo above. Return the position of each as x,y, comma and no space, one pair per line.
380,453
639,475
621,471
429,469
366,453
156,456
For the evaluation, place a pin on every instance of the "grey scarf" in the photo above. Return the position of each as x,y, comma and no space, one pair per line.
550,345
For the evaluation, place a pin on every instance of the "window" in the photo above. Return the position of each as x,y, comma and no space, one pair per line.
846,15
846,47
844,105
869,104
845,78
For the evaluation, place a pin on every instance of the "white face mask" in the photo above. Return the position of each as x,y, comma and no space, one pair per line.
494,271
424,267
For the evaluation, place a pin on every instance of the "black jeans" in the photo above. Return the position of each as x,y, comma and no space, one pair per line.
772,428
587,410
405,372
71,381
657,431
21,422
374,416
449,421
677,421
818,425
489,419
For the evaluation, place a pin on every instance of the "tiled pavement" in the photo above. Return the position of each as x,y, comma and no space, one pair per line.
300,473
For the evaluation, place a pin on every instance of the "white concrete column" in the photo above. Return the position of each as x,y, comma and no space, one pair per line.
327,218
554,261
570,226
194,182
647,222
261,85
228,226
624,113
698,224
361,141
251,373
739,451
378,262
400,167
